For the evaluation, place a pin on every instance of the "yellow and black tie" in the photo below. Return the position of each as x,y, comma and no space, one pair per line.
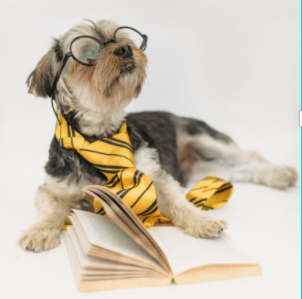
113,156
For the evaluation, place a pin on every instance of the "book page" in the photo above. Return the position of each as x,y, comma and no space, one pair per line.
185,252
126,220
93,266
102,232
87,261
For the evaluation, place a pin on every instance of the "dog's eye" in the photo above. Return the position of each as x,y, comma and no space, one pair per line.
86,50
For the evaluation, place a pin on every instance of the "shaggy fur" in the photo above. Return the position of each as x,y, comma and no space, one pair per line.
171,150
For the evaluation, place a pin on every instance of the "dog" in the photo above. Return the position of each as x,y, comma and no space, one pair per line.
171,150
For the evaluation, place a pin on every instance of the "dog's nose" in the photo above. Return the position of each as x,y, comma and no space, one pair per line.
124,51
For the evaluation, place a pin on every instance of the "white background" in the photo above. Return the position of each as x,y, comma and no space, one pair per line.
232,63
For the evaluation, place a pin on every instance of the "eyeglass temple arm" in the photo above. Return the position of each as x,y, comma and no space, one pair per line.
53,89
144,43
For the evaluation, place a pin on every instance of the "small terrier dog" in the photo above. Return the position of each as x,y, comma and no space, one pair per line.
171,150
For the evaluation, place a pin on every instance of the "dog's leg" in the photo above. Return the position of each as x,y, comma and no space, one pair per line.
171,198
53,202
259,171
203,154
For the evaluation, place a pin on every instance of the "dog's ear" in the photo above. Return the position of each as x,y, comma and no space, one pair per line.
40,80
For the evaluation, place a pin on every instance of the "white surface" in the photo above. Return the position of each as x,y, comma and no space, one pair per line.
235,64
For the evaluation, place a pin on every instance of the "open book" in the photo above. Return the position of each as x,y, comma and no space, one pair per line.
117,251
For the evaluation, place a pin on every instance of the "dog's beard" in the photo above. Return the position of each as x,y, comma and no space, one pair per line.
128,67
112,83
118,78
110,68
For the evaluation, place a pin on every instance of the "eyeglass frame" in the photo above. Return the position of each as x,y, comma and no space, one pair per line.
69,54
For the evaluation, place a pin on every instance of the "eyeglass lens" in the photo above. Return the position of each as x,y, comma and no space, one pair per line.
86,50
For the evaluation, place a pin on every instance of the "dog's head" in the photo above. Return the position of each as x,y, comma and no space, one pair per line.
115,79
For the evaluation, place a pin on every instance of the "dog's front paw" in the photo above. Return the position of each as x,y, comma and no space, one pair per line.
204,227
282,177
37,240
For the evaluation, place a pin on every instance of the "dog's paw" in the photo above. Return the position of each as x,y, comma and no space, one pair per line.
282,177
205,227
293,175
37,240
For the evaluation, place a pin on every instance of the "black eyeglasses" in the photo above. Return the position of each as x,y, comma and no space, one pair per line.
86,49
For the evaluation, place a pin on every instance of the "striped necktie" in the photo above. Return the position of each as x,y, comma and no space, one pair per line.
113,156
